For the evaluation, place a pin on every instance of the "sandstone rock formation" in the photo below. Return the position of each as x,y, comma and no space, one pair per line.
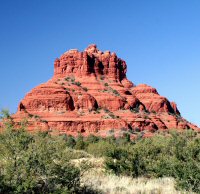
90,93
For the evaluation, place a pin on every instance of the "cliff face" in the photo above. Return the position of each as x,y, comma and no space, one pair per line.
89,93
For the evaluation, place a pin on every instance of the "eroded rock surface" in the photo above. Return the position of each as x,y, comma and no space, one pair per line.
90,93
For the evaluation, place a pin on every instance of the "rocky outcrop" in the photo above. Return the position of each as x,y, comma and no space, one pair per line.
153,101
90,93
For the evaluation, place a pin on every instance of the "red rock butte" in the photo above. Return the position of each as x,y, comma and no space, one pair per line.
90,94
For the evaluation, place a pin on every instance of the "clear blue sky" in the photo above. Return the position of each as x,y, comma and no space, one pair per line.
160,41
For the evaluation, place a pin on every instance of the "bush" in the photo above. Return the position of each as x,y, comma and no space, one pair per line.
67,78
70,142
4,114
40,163
99,148
35,163
106,110
116,92
92,139
102,77
77,83
177,155
72,79
80,144
135,110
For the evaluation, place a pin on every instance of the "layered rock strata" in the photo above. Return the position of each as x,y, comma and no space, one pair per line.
90,94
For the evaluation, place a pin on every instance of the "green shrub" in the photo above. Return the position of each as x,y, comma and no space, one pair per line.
106,110
92,139
4,114
99,148
67,89
135,110
70,141
40,163
177,155
67,78
80,144
72,79
35,163
102,77
77,83
115,92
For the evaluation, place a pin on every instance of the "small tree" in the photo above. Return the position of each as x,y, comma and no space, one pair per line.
70,141
35,163
80,144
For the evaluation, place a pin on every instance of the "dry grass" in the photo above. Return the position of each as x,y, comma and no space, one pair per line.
97,179
113,184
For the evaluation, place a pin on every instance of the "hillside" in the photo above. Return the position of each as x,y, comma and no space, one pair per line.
90,94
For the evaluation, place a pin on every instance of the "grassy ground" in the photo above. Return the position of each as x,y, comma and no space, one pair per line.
98,179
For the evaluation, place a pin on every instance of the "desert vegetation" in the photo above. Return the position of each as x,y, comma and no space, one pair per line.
45,163
174,155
